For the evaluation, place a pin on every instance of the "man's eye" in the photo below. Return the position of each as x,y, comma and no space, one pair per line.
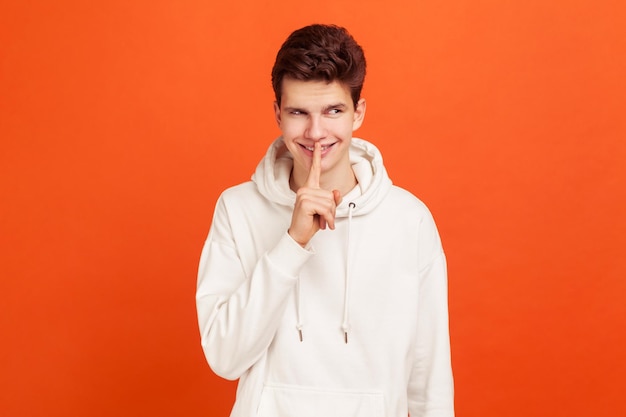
296,112
334,111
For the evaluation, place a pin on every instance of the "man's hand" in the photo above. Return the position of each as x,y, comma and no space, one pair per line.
314,208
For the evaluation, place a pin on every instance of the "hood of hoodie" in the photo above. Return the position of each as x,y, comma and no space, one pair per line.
272,177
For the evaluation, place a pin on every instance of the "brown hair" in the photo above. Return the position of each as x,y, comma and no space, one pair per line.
320,53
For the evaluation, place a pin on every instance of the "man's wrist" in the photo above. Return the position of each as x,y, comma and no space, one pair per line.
296,239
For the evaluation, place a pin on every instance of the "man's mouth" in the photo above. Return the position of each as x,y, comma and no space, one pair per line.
311,148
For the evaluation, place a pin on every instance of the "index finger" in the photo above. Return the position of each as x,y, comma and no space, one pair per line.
313,179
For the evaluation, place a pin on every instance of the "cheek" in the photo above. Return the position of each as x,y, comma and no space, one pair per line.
343,129
290,129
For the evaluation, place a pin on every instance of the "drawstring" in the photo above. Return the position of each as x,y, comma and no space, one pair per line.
345,325
346,297
299,325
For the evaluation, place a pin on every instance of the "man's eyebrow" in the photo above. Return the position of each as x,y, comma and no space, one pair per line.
341,106
292,109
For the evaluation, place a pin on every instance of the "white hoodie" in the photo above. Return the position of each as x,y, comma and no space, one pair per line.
354,325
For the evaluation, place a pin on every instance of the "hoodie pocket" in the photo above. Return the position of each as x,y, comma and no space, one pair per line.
295,401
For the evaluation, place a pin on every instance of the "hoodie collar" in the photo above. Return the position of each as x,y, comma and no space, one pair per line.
272,177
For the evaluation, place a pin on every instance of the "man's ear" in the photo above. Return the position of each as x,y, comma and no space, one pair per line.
359,114
277,113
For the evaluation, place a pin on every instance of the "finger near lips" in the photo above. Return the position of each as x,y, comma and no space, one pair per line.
321,203
313,179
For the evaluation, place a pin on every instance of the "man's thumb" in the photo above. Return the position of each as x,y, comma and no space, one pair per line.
337,197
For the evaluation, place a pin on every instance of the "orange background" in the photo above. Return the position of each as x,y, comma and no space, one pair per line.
122,121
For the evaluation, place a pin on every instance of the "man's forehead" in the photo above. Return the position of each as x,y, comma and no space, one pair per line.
314,93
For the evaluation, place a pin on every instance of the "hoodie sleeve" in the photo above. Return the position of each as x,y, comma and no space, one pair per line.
239,312
430,390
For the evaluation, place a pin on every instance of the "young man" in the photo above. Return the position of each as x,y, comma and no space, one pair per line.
322,286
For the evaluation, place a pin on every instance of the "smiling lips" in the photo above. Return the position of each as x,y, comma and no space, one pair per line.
311,148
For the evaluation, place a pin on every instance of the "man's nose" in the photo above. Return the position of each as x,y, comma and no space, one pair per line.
315,129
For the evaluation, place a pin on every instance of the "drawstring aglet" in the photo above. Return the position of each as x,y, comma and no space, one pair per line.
300,334
345,337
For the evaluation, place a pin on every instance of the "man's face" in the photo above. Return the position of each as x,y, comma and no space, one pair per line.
317,111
